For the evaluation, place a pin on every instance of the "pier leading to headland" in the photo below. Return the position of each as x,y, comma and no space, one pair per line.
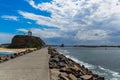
32,66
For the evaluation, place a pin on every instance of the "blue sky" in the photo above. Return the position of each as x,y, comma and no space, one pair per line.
93,22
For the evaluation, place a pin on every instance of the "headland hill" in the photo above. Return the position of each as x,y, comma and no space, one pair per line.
60,67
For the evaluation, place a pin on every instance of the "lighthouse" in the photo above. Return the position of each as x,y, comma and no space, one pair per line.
29,33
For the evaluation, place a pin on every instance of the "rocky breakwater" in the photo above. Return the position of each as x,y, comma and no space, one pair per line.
63,68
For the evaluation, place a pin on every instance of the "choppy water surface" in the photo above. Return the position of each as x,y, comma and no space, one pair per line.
103,61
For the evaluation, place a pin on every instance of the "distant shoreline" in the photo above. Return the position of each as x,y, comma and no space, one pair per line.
84,46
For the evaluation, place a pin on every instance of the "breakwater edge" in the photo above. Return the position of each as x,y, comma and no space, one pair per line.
8,55
63,68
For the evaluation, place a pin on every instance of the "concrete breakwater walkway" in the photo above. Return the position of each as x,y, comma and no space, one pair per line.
32,66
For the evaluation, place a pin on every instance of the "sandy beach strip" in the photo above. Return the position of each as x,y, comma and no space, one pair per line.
17,50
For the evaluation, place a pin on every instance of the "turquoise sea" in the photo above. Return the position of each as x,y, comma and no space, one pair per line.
102,61
6,53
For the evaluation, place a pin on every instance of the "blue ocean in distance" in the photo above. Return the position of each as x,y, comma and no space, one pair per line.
102,61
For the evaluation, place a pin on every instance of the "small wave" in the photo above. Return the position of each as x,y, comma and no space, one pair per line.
107,73
114,73
64,51
89,66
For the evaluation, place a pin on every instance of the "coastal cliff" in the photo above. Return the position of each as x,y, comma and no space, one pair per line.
25,41
63,68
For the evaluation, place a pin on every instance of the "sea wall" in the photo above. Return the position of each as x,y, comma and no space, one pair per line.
63,68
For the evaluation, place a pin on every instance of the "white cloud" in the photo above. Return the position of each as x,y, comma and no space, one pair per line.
44,33
77,13
42,20
5,38
29,22
8,17
22,30
82,17
32,3
92,35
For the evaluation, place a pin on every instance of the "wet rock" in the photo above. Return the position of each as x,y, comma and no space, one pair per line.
61,65
101,78
54,59
12,56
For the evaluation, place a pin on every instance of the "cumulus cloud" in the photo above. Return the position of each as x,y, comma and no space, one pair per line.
42,20
8,17
5,37
80,19
44,33
92,35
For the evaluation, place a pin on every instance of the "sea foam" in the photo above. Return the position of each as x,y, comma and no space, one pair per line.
107,73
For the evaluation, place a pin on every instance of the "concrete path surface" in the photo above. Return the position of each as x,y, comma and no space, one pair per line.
33,66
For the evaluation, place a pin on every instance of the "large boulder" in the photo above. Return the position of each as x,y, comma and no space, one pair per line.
24,41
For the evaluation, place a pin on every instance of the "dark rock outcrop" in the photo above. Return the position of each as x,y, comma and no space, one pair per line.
24,41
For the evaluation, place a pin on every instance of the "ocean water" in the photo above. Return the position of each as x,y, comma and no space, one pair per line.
6,53
102,61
